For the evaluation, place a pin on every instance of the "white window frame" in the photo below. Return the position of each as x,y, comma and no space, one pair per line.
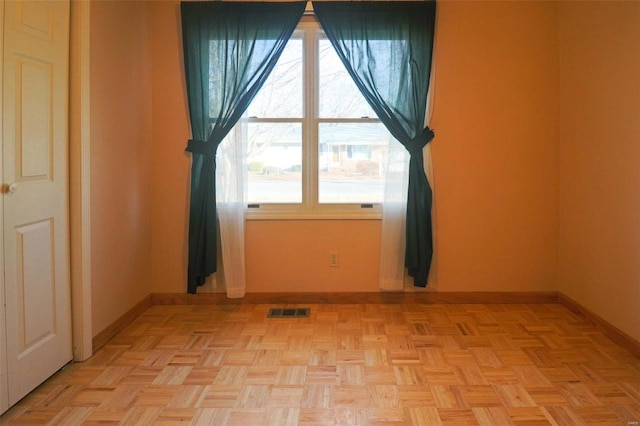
310,32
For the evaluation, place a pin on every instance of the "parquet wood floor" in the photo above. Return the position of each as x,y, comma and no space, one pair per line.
364,364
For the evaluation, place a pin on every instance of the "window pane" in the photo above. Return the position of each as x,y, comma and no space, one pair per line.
281,94
339,96
274,162
351,159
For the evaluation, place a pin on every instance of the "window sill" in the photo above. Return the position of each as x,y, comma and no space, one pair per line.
374,214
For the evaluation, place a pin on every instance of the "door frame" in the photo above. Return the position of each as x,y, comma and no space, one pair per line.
4,391
80,178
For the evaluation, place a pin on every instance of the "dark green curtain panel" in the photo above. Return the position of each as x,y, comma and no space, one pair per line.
387,47
229,51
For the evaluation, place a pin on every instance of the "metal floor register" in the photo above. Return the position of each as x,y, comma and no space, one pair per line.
288,313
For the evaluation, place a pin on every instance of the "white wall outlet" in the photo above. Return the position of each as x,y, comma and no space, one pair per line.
333,258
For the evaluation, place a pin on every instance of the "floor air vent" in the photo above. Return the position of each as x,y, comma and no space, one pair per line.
288,313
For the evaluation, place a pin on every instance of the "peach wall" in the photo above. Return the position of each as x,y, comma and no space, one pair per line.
120,159
494,154
299,261
170,168
600,159
494,157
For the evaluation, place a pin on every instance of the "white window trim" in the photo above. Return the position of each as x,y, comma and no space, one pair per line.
310,208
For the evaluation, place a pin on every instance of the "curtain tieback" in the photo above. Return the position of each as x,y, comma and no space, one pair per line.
201,147
420,141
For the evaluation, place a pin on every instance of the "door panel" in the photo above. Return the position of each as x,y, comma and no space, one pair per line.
35,18
35,211
35,285
34,140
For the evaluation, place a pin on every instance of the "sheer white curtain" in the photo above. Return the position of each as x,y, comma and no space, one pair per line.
231,190
394,206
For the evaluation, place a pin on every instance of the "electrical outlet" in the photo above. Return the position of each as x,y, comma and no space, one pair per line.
333,258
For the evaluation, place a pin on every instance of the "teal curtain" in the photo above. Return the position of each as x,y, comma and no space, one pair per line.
229,51
387,48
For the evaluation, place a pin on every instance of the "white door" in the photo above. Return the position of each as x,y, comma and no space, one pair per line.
35,192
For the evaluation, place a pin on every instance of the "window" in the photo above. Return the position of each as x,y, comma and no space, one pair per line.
315,148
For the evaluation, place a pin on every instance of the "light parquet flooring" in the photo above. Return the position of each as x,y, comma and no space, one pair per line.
363,364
